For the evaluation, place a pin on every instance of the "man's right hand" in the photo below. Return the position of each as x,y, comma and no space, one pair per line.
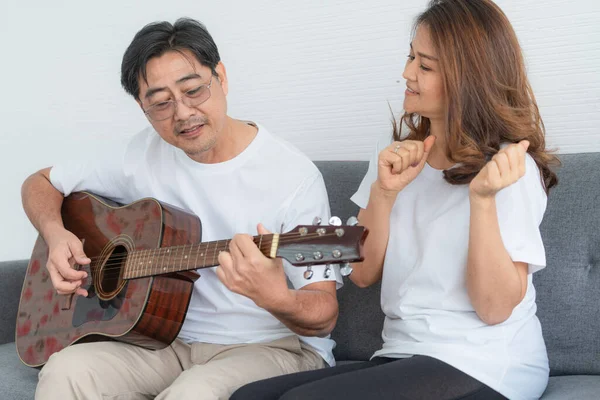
401,162
66,250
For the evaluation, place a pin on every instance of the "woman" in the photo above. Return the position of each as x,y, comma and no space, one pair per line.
453,209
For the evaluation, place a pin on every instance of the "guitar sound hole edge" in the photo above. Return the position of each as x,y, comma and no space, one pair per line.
109,282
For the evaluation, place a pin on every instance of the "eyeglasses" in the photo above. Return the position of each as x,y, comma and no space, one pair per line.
192,98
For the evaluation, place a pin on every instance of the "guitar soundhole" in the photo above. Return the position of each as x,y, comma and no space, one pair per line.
110,273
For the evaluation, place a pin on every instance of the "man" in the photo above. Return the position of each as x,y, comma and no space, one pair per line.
243,321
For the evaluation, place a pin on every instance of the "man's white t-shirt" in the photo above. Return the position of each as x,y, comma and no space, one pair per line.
270,182
424,294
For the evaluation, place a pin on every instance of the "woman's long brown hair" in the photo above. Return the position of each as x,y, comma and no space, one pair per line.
490,100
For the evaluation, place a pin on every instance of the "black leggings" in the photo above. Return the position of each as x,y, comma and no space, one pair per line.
418,377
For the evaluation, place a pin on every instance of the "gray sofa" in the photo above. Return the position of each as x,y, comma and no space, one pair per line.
568,289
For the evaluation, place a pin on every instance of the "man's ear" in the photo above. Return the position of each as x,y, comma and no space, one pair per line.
222,74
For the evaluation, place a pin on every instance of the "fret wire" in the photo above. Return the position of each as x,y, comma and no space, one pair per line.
165,252
136,258
197,254
178,263
123,270
189,256
152,269
132,265
174,259
145,264
140,264
153,264
130,257
215,253
136,254
185,257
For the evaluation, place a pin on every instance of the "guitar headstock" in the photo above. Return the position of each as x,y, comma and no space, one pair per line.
306,245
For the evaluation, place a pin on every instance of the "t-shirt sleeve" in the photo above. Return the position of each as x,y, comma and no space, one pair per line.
361,197
103,174
310,200
520,209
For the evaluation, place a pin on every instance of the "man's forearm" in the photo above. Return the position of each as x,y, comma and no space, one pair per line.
307,312
42,203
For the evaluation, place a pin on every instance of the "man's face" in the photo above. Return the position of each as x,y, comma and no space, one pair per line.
173,83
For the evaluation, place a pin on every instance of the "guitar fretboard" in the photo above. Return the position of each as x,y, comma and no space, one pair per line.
164,260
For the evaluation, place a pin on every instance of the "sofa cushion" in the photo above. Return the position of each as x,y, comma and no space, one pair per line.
17,381
568,289
574,387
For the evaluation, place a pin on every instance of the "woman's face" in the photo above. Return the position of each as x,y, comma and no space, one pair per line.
424,93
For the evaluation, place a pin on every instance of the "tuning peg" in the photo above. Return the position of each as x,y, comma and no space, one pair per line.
346,269
308,273
352,221
327,272
317,221
335,221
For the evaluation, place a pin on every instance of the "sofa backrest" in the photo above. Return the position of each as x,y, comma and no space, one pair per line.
360,320
10,271
568,289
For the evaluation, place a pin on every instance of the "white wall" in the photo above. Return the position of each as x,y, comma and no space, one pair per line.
320,73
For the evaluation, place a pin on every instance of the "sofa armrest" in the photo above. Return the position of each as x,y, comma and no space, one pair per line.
12,274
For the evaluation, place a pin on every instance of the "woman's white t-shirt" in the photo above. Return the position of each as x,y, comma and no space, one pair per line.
424,294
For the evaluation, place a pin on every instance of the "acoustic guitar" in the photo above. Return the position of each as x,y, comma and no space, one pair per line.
142,273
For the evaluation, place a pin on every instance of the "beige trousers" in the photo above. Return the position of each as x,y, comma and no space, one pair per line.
113,370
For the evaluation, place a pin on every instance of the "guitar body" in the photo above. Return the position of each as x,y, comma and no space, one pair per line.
147,312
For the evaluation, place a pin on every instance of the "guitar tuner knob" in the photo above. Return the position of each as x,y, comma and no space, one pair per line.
352,221
346,269
335,221
327,272
308,273
317,221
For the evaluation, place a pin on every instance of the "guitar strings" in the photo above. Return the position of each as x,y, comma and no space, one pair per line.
289,238
113,267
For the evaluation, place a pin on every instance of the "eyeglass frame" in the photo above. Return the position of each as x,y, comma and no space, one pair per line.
174,102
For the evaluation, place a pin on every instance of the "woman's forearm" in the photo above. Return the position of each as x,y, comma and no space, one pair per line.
376,218
495,283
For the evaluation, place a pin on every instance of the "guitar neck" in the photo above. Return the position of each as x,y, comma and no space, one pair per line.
164,260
